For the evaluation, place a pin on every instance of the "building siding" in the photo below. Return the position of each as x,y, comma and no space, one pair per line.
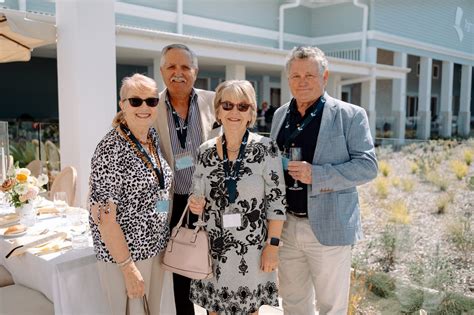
336,19
429,21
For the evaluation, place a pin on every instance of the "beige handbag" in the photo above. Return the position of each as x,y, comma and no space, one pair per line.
146,308
187,252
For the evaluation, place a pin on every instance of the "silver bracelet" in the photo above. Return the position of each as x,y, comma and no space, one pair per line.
125,262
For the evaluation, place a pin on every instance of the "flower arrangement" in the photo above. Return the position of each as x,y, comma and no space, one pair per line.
21,187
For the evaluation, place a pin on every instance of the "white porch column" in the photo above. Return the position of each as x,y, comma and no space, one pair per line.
285,93
334,85
86,82
446,113
399,98
235,72
157,74
266,89
464,116
371,54
368,102
423,129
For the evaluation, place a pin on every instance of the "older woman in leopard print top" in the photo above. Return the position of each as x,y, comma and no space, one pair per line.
129,192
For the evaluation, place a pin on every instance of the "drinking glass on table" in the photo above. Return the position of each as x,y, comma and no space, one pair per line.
60,202
295,155
78,220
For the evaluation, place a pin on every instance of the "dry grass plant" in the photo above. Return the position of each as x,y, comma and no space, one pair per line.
396,182
399,213
434,178
407,184
414,168
382,187
443,202
468,156
459,168
384,168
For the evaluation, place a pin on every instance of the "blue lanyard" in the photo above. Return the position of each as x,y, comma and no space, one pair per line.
156,169
305,122
231,175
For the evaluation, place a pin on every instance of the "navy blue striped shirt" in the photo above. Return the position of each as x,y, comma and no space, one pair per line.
183,178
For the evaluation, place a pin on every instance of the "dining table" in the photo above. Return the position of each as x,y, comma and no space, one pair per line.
66,275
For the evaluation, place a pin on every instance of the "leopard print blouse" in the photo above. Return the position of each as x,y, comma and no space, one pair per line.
119,174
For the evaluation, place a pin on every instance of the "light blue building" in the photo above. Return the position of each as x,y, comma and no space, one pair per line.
407,62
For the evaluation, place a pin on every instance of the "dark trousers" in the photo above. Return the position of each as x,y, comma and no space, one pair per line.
181,284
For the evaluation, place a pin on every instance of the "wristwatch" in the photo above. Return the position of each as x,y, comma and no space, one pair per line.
274,241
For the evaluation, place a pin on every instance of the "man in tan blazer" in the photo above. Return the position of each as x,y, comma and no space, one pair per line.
185,120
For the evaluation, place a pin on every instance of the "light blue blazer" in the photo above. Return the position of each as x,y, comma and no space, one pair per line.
343,159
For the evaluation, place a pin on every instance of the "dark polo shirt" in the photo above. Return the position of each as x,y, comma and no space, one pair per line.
306,140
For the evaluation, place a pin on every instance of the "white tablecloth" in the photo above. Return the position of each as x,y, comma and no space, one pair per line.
69,279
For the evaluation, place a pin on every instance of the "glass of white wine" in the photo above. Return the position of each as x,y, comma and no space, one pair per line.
60,202
295,155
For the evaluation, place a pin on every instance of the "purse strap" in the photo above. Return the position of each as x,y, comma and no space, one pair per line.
146,308
180,223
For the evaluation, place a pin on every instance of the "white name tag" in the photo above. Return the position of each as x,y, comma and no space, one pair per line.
232,220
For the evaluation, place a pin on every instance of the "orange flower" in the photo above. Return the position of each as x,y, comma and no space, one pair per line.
7,185
21,177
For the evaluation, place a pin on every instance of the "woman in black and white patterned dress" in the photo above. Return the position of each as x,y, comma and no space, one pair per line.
129,197
241,178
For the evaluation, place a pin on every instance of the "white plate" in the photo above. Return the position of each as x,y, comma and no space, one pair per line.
13,235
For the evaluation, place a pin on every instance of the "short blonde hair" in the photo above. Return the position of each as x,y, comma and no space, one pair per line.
136,82
237,89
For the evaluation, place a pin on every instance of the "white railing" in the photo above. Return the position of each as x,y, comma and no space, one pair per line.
351,54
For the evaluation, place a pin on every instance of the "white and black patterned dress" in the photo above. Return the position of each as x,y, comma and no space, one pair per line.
238,285
119,174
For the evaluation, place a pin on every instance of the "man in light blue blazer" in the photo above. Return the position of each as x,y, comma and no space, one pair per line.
337,155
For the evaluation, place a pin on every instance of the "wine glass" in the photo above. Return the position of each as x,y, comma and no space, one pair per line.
60,202
197,195
295,155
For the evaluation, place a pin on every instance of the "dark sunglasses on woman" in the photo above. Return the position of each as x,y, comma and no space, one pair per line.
228,106
137,102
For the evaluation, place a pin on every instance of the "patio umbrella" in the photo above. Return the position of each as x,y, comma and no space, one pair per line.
20,35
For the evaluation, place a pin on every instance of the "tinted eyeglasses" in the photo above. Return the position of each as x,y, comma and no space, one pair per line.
228,106
137,102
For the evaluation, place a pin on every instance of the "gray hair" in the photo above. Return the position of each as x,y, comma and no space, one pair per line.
194,60
308,52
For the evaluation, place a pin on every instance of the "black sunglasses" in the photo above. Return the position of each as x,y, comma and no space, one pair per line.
228,106
137,102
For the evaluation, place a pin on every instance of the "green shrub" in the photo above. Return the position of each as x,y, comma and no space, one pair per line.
470,183
462,236
388,243
410,299
24,152
381,284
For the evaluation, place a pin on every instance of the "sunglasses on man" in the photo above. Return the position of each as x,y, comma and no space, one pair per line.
137,102
228,106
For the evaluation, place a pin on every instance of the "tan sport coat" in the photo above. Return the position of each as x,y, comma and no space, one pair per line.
205,100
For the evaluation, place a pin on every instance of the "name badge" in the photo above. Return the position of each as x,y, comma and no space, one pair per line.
232,220
284,162
162,206
183,161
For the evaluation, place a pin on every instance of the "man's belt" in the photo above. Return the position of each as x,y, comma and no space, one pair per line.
297,214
